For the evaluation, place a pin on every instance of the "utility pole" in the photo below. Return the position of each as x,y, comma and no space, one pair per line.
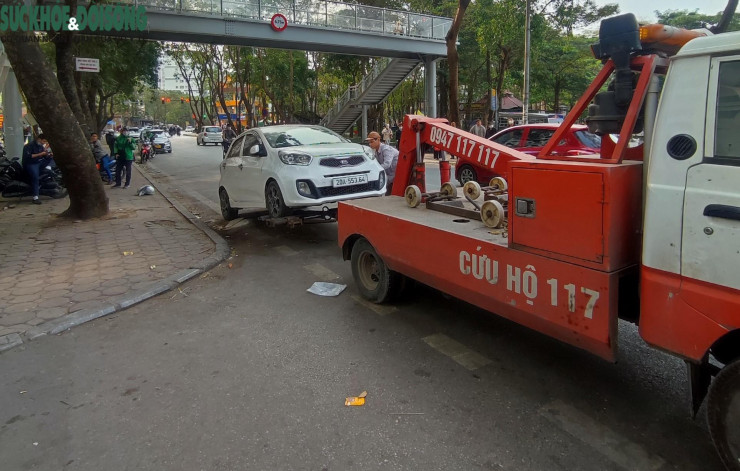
527,53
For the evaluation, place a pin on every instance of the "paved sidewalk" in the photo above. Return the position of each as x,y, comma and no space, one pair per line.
56,273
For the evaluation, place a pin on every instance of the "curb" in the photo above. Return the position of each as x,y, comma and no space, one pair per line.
123,302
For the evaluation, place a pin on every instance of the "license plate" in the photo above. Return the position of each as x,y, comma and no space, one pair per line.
158,146
348,181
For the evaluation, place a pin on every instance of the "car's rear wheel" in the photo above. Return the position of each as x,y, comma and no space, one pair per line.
274,201
227,211
468,174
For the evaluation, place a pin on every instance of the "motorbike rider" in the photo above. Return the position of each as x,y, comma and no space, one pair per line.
101,157
36,154
228,136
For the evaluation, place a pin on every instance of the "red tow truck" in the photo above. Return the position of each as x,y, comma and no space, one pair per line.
569,245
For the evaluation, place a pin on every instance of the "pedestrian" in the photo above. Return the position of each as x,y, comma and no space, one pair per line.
124,151
110,139
478,129
490,131
387,133
387,157
101,157
399,129
36,154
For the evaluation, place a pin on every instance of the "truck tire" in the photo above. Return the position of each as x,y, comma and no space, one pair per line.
723,415
374,280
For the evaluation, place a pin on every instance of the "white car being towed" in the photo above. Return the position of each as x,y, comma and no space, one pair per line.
288,167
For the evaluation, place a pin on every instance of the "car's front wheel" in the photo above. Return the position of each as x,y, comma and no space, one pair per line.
467,174
227,211
274,201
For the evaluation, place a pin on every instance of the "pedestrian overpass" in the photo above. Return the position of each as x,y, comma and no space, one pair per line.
405,38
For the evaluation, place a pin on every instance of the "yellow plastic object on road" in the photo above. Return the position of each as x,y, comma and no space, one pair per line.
356,401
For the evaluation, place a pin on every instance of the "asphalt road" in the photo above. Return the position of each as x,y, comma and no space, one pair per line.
245,370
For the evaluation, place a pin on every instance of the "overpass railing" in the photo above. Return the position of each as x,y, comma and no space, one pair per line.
328,14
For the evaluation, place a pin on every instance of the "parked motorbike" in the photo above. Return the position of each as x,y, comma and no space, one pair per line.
146,152
14,182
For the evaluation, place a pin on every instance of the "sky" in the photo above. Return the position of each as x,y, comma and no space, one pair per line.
644,9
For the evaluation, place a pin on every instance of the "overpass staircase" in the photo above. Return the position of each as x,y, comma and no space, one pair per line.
385,77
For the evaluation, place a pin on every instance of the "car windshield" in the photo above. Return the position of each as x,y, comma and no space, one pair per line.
213,129
301,136
589,139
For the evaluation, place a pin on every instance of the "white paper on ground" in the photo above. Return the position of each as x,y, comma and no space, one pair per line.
326,289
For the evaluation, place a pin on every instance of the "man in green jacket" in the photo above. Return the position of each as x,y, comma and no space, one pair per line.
123,148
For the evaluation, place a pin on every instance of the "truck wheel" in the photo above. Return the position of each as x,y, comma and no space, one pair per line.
723,414
467,174
227,211
375,281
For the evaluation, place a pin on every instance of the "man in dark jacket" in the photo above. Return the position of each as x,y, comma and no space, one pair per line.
36,154
110,140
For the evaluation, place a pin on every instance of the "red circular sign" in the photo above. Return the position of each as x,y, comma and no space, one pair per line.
279,22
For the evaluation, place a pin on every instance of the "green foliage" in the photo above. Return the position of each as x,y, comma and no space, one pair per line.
694,19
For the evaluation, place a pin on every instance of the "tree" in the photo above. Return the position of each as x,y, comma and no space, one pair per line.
46,99
718,23
453,59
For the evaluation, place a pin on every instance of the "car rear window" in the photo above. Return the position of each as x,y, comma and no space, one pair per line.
213,129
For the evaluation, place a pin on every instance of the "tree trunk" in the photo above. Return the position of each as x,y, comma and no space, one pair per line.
87,198
489,81
453,60
291,102
726,18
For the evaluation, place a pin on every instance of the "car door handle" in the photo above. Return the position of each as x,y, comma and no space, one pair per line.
723,211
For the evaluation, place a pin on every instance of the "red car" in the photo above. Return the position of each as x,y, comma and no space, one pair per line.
529,138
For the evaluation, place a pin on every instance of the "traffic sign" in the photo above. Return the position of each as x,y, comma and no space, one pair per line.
279,22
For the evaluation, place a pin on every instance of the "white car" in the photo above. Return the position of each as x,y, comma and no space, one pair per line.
288,167
209,135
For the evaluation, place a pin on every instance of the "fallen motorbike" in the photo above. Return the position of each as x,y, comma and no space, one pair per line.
14,182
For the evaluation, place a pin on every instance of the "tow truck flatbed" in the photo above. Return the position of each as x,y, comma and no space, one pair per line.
470,261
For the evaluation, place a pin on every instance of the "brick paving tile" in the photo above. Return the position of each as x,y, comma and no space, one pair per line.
57,293
12,329
115,290
79,288
36,321
93,304
20,307
86,296
60,301
18,318
26,298
53,312
29,280
28,290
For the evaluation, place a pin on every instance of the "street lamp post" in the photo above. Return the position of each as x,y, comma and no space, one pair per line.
527,51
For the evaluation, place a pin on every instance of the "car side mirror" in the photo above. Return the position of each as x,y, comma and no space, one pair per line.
258,150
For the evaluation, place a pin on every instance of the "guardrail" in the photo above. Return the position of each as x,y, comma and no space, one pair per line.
322,13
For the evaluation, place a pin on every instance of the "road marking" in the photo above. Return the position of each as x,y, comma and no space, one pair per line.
285,251
457,351
601,438
321,272
379,309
